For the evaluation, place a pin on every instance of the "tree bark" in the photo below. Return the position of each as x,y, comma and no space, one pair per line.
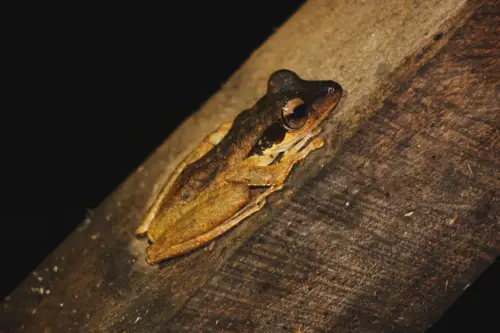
381,230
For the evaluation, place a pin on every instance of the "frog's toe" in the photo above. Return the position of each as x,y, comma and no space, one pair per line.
317,142
316,131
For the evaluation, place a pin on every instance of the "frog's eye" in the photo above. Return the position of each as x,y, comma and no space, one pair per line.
294,114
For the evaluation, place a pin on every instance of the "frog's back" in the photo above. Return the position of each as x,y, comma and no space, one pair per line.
234,147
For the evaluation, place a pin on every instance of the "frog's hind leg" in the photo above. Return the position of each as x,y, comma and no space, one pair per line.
156,255
201,150
158,251
200,223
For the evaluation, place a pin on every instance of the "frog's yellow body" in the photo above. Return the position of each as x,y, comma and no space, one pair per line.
212,189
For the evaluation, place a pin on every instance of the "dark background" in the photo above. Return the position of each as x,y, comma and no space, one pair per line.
92,91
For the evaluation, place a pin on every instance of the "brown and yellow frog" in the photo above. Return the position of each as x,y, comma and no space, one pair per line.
229,175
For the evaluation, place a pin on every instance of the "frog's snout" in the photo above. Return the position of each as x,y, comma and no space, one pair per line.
331,88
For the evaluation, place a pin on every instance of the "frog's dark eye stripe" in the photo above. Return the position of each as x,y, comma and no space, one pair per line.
274,134
294,114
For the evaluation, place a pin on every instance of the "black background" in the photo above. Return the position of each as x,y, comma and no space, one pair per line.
92,91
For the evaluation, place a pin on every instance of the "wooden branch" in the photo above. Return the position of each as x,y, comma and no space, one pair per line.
379,231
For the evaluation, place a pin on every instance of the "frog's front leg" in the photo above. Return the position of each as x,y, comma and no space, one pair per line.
269,175
274,175
302,142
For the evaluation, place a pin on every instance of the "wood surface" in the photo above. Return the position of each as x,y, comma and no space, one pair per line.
380,231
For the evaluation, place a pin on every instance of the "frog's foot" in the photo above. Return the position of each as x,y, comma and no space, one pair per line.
299,145
316,131
316,143
143,227
219,134
303,148
303,142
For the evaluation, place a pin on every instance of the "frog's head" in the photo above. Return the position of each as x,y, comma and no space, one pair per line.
305,103
302,106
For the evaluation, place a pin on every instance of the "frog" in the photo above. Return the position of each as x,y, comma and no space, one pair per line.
230,174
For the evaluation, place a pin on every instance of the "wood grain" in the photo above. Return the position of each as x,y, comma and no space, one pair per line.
379,231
